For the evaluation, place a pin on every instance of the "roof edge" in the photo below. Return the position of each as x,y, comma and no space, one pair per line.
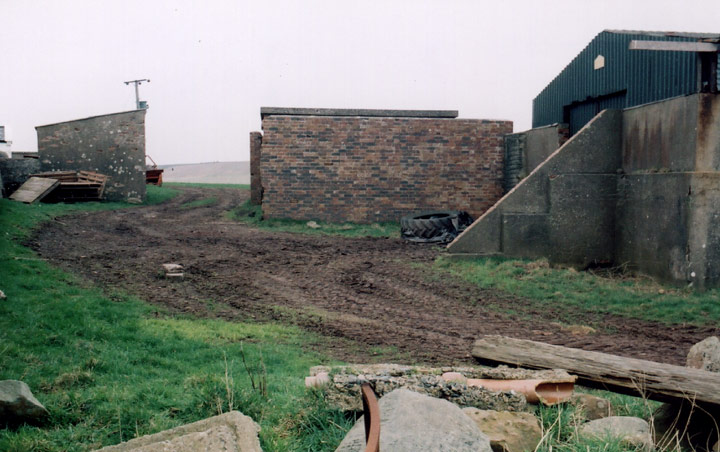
281,111
91,117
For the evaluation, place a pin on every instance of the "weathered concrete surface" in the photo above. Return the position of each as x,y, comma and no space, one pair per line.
18,405
14,173
112,144
639,187
229,432
563,209
525,151
412,422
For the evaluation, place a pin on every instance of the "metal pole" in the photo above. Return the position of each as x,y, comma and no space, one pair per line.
137,90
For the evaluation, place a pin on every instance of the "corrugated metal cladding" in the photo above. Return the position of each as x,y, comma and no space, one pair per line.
628,78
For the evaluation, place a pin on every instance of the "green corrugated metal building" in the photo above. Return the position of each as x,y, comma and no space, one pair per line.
607,74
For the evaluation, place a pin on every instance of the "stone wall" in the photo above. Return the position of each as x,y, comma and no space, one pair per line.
378,168
112,144
14,173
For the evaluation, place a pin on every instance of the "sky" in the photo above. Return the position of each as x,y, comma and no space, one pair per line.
212,64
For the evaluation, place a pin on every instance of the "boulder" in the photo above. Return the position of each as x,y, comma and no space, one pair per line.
413,422
592,407
508,431
229,432
631,430
705,355
18,405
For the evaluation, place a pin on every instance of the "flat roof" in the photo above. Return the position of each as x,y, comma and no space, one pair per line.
280,111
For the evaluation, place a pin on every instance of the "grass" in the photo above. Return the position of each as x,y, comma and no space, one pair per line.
205,185
203,202
569,291
110,367
252,215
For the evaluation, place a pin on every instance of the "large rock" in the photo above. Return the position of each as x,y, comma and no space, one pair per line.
631,430
18,405
508,431
229,432
412,422
705,355
592,407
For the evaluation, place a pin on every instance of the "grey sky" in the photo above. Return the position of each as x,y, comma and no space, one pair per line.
214,63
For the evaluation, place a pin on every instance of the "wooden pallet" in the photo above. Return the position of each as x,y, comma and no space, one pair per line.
75,186
34,189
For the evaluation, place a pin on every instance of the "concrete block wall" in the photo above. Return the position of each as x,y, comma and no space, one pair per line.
367,169
112,144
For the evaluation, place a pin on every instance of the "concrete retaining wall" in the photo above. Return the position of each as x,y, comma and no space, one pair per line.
524,151
639,188
112,144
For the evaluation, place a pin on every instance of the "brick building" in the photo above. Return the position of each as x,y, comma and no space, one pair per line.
374,165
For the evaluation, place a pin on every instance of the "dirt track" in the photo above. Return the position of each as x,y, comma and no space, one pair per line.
370,292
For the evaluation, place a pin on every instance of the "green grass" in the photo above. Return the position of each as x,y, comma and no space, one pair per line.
204,185
110,367
569,291
203,202
252,215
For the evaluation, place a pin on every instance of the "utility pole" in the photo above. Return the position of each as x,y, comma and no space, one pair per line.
144,105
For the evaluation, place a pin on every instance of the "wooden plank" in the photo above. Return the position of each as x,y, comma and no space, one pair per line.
34,189
674,46
600,370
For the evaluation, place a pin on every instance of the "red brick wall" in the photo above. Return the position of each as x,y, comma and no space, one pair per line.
368,169
256,191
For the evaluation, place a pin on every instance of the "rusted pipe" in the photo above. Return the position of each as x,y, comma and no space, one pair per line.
371,414
547,392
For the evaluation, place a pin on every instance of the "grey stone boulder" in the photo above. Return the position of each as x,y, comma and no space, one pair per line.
591,407
229,432
413,422
508,431
630,430
705,355
18,405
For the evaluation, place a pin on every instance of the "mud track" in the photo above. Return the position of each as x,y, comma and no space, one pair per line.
369,292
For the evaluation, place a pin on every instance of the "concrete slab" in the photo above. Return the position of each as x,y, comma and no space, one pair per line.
229,432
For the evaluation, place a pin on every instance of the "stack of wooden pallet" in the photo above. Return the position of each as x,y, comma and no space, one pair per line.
69,186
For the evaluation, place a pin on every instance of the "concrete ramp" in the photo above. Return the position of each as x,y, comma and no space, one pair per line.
564,209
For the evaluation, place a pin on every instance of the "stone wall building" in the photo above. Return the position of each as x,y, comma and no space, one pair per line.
113,145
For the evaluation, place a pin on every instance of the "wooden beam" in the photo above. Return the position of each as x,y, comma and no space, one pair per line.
674,46
637,377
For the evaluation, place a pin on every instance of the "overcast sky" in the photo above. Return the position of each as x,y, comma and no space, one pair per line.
214,63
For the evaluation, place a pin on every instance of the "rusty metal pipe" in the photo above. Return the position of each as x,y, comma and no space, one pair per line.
371,414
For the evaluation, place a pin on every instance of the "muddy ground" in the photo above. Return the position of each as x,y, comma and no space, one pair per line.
371,293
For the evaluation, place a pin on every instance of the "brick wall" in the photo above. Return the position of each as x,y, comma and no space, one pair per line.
256,191
112,144
368,169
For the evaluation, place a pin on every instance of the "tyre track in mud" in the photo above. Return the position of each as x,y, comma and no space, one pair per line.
368,292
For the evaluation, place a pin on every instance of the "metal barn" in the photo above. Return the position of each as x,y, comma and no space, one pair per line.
608,74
